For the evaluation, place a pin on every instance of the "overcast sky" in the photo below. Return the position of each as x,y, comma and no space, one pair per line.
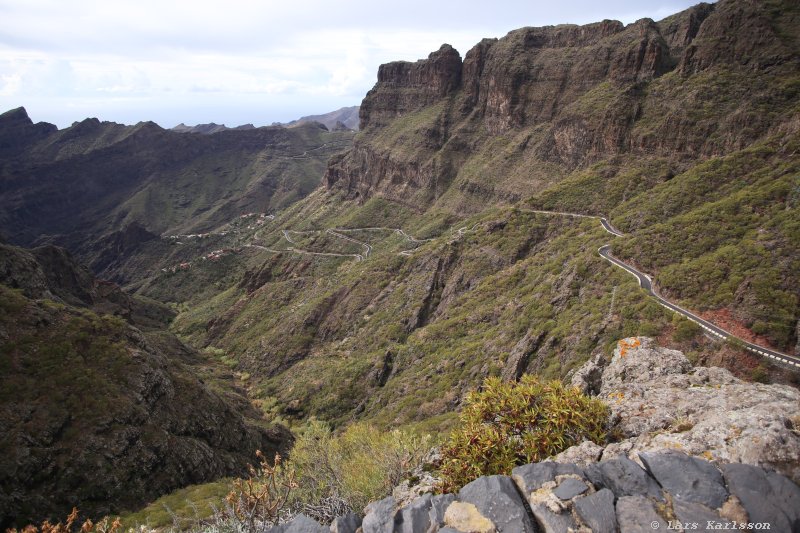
243,61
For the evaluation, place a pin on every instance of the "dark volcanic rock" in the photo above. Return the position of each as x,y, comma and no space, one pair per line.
766,496
497,498
688,478
636,514
597,510
569,488
415,516
532,476
693,512
623,477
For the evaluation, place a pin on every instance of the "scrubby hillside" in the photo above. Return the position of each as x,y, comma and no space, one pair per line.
97,412
103,189
422,267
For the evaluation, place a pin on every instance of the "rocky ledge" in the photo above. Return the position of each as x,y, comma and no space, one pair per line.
699,450
659,402
670,488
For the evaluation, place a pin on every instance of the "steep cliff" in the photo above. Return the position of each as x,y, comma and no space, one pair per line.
526,110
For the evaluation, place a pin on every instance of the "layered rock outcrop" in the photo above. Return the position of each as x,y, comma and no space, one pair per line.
659,401
404,87
568,96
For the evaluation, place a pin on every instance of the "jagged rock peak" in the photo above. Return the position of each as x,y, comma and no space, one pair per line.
17,131
19,114
404,86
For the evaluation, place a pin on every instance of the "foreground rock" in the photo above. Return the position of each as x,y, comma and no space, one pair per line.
700,447
615,495
659,402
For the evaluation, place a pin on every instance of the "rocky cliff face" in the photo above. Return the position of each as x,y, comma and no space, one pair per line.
659,401
565,97
405,87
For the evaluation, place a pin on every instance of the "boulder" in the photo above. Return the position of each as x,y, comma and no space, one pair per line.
597,511
379,516
497,498
766,496
659,402
624,478
687,478
415,517
348,523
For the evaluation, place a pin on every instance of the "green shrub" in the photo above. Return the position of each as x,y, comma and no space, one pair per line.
362,464
685,330
509,424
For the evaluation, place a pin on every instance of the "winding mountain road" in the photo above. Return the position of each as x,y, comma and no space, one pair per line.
646,282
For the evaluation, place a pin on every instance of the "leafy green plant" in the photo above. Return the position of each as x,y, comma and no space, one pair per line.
349,470
509,424
685,330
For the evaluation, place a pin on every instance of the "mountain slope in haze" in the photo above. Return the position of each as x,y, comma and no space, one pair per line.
101,408
208,129
684,132
86,183
346,117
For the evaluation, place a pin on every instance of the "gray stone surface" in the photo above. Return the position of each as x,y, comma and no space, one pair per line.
532,476
497,499
415,517
569,488
624,478
300,524
585,453
597,511
589,377
436,512
552,522
697,514
756,490
348,523
659,402
379,516
635,514
688,478
786,495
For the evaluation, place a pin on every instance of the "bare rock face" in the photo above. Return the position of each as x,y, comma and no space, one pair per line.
403,86
574,96
659,402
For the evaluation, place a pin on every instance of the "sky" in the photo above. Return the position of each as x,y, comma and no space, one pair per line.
243,61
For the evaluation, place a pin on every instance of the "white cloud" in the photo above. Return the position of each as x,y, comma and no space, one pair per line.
227,61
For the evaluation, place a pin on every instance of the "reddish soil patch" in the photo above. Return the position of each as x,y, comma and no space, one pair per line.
722,318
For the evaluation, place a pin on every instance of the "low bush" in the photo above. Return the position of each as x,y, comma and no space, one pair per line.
504,425
338,473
